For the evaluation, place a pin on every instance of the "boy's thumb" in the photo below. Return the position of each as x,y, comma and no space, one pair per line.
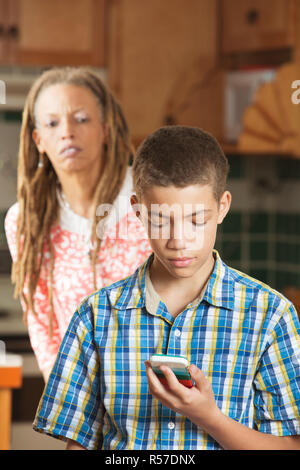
197,375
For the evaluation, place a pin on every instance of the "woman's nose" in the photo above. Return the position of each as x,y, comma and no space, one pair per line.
67,129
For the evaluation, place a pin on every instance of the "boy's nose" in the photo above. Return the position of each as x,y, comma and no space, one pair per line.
176,244
177,237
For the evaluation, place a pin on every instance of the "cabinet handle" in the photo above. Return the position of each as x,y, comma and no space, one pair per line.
13,31
252,16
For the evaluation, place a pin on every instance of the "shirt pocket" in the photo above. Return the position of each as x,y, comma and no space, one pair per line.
231,379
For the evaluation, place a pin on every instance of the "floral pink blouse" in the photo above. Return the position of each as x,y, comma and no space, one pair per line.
124,247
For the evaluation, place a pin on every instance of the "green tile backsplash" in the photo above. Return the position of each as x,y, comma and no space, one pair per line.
264,243
270,256
232,223
290,170
259,222
237,168
259,250
11,116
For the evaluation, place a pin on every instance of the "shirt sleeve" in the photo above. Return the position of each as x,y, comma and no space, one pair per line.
70,406
44,346
277,383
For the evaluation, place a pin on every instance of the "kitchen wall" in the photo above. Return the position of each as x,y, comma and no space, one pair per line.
10,122
261,233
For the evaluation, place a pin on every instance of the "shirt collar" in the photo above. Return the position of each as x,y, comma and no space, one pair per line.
220,288
219,291
153,299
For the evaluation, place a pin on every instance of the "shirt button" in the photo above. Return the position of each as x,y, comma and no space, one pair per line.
171,425
177,333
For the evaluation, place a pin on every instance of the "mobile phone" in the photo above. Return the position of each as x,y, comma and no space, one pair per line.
178,364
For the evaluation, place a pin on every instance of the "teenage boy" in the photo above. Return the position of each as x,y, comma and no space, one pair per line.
241,337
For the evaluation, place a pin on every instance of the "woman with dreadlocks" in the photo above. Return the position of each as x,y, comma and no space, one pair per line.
73,162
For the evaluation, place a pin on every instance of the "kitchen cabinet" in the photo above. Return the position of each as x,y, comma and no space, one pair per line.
257,25
69,32
8,31
162,63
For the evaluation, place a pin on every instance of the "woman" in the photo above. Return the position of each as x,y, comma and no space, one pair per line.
73,158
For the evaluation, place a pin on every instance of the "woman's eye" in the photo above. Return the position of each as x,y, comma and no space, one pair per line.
51,123
81,119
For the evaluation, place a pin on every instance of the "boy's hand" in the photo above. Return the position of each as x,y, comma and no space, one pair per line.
196,403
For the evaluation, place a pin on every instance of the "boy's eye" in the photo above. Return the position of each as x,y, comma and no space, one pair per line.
163,224
199,224
158,225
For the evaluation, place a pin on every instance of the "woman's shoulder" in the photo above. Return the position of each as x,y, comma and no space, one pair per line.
10,226
11,217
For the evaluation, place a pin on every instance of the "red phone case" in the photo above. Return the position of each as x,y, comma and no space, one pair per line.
186,383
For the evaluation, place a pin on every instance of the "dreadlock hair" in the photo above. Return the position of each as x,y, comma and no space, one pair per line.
37,185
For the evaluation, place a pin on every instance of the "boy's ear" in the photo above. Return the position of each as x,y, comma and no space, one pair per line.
135,205
224,206
133,200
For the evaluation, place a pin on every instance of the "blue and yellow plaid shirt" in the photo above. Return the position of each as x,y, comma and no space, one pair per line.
242,334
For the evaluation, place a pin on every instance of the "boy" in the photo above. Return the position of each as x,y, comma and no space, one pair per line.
241,337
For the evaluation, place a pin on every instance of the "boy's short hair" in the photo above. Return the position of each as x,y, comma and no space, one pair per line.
180,156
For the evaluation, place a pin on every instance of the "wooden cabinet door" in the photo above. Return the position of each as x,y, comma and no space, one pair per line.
12,31
9,31
3,30
162,63
62,32
253,25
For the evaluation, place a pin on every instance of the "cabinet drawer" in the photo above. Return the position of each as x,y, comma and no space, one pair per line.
255,25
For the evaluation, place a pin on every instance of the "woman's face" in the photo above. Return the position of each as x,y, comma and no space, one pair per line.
69,128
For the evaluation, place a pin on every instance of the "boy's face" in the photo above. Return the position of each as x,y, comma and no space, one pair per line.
181,224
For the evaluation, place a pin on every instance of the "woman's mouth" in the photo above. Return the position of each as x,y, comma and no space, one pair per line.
70,151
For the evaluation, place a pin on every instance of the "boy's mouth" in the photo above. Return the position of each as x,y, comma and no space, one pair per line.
181,262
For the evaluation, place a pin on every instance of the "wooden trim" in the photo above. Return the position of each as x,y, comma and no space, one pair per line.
296,51
5,418
28,57
99,50
115,49
292,30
